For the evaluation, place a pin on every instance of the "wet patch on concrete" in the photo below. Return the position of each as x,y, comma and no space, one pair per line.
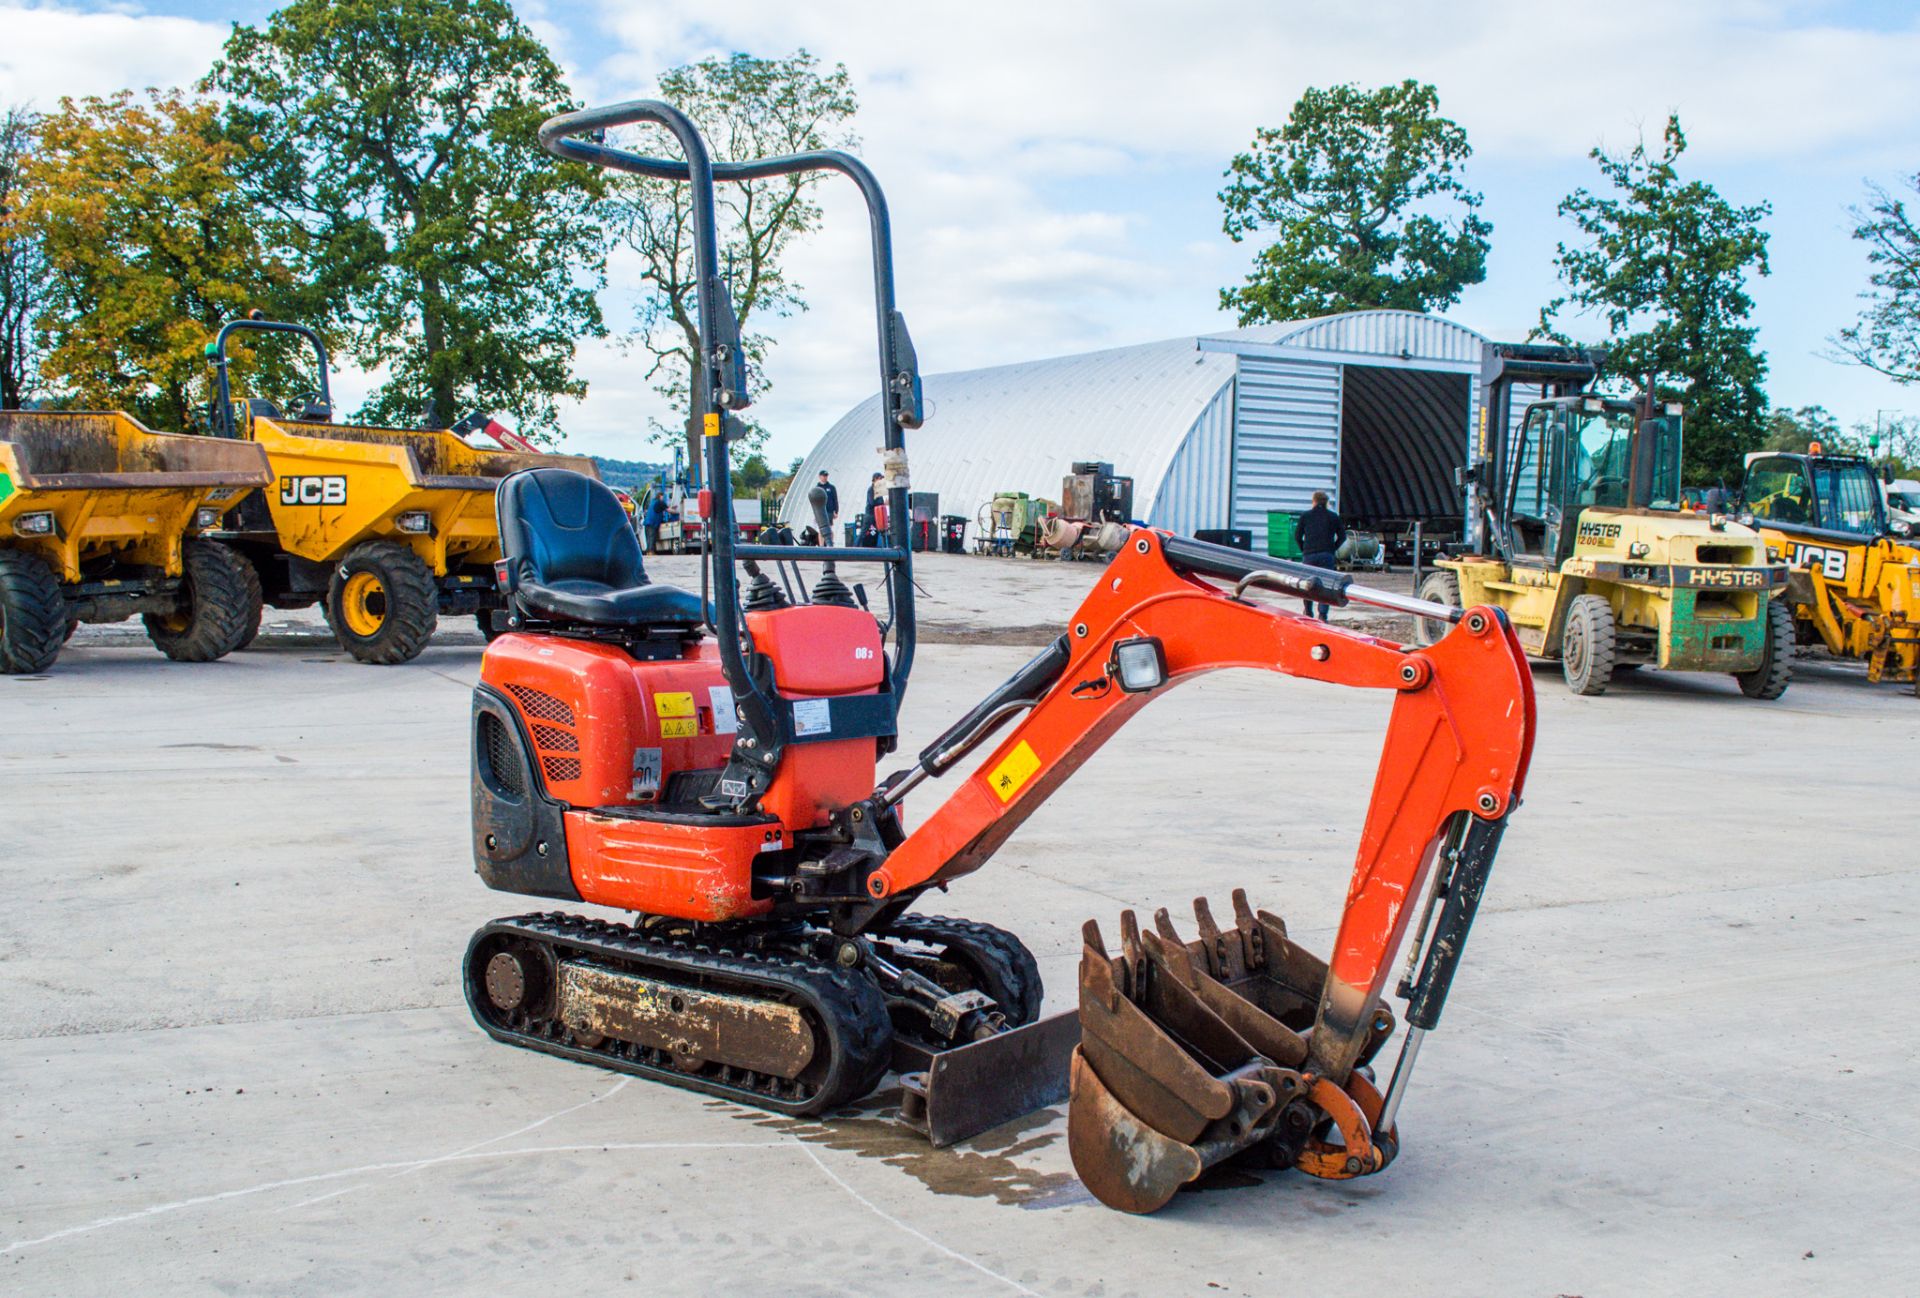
985,1167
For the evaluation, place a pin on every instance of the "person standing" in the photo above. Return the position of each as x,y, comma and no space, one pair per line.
869,526
831,506
1318,533
656,514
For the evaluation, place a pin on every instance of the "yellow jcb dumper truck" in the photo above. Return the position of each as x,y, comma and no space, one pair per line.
1579,536
1854,584
102,519
389,529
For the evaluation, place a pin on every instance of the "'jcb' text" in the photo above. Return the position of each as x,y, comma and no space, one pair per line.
313,491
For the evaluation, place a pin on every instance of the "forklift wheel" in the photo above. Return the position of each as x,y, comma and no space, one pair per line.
382,604
1441,587
221,598
1769,679
1586,650
33,614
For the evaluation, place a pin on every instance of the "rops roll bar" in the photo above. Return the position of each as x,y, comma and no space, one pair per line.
720,385
221,422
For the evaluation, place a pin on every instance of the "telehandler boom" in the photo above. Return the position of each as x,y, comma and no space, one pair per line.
710,763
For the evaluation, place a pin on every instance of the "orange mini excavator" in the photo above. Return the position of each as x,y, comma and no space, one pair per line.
709,762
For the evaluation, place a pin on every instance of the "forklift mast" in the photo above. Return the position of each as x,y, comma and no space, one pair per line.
1559,371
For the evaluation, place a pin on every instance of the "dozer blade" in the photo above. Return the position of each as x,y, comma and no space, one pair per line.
953,1095
1193,1052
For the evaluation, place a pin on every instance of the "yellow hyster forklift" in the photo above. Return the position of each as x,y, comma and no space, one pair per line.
708,763
387,528
102,518
1854,584
1579,535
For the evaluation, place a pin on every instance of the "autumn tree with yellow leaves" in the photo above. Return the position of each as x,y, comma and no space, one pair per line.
149,245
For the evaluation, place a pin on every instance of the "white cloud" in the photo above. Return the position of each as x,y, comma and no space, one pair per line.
48,51
994,125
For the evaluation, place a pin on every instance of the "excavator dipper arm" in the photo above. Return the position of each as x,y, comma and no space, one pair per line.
1241,1027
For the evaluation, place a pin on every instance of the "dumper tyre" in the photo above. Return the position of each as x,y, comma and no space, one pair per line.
218,592
489,628
382,603
1769,680
1587,647
33,614
1441,587
256,606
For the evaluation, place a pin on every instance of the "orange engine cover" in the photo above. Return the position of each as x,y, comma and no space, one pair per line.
606,730
608,734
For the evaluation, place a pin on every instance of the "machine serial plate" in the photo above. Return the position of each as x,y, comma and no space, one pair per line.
693,1027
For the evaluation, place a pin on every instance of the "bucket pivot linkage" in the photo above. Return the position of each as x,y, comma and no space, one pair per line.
1193,1052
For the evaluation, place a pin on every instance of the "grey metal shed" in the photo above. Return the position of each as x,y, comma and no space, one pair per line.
1374,407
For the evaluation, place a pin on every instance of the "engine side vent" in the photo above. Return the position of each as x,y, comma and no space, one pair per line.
502,763
554,739
542,706
561,768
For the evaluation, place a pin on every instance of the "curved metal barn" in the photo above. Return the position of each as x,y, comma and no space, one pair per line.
1374,407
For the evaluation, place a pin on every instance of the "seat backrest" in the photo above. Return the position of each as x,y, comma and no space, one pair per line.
561,525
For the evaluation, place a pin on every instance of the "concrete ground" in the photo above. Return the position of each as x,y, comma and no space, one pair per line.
1678,1060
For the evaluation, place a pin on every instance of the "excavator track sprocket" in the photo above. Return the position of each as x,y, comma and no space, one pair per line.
1194,1052
771,1028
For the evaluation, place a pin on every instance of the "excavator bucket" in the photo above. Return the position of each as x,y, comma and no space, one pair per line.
1193,1052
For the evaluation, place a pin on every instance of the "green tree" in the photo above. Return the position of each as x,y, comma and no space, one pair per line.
1363,193
148,244
22,267
1665,266
1887,335
1795,430
748,108
395,159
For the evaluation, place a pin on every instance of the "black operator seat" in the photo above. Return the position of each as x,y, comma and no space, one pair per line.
574,557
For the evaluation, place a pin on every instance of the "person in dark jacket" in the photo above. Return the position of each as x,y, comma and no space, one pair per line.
876,496
654,515
832,506
1318,533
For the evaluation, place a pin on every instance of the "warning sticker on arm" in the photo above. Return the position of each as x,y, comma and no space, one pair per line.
1014,770
725,720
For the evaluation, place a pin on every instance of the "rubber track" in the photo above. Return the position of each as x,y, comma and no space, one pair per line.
858,1034
1017,963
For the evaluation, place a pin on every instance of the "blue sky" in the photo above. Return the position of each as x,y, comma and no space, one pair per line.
1053,167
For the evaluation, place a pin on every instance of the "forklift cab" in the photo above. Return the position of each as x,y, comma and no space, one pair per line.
1586,452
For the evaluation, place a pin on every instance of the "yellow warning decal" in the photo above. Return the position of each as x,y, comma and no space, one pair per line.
677,718
712,425
1014,770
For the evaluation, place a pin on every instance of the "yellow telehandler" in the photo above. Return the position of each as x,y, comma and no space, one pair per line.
1586,548
388,529
1854,584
